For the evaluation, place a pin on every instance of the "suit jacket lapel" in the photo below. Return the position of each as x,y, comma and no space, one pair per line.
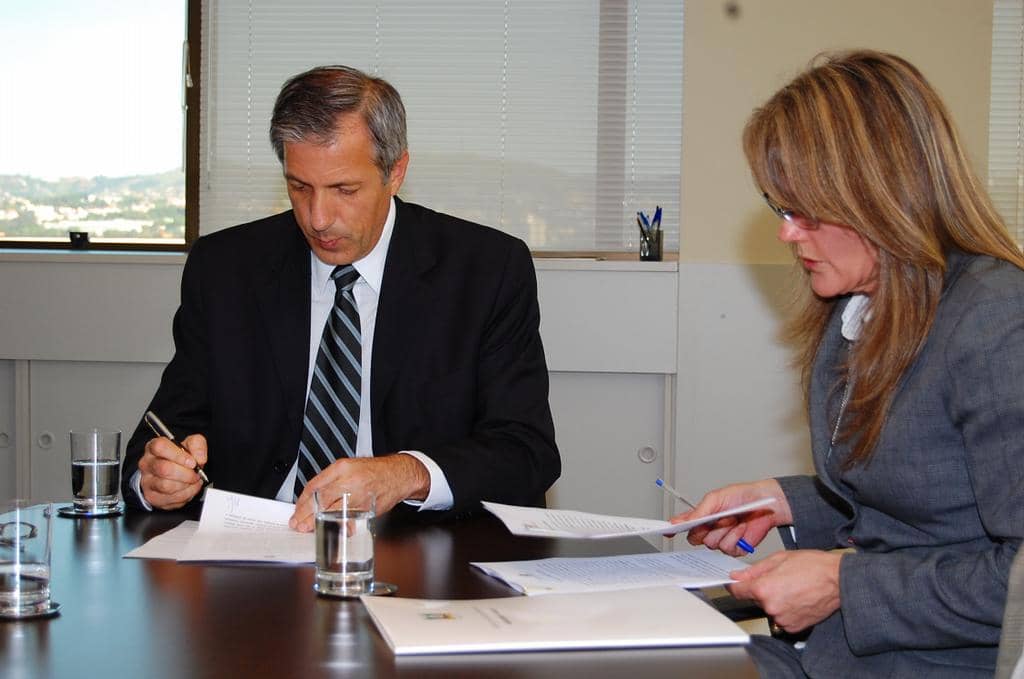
283,296
400,306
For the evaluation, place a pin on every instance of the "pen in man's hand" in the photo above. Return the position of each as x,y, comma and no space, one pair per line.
160,429
742,544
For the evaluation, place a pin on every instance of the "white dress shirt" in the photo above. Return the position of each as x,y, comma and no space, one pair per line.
366,292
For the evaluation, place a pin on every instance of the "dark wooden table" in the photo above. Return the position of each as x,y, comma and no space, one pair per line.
145,618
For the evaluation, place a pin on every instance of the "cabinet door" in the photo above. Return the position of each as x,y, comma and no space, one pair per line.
8,467
610,430
69,395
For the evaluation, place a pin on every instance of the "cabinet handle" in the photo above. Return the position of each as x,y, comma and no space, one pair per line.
647,454
45,440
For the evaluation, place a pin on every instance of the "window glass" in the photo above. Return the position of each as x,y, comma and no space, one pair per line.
92,121
553,121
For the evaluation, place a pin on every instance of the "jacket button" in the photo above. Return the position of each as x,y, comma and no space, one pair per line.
850,541
280,467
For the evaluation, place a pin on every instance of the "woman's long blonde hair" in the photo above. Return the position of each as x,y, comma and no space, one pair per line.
862,139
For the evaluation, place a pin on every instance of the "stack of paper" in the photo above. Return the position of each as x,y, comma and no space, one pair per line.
657,616
233,527
691,568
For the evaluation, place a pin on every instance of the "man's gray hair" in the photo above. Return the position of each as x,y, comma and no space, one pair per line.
309,105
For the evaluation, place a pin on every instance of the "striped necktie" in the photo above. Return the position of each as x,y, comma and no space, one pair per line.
331,420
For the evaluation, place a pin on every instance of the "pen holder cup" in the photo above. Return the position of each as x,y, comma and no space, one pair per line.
650,247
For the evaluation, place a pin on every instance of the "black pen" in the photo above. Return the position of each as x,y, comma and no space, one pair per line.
643,232
160,429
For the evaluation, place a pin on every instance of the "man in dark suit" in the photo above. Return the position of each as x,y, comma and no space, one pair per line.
453,377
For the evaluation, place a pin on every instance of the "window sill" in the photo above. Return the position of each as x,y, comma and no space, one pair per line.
609,261
91,256
542,261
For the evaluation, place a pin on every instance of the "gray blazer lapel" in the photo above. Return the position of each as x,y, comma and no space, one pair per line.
826,393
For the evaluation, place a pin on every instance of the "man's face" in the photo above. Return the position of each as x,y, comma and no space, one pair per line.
338,195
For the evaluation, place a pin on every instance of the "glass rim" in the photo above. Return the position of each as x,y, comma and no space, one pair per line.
346,501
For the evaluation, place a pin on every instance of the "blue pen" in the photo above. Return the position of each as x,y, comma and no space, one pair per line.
742,544
657,217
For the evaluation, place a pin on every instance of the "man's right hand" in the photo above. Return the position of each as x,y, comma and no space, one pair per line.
168,478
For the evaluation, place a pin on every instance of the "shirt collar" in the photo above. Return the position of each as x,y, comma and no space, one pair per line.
370,267
856,312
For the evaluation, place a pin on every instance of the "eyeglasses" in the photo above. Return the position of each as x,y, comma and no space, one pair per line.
797,220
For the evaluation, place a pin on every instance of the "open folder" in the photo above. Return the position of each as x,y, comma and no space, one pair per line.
651,617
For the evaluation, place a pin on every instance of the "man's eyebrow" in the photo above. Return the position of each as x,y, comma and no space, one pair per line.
335,185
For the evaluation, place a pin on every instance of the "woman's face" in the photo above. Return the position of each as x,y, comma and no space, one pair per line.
837,258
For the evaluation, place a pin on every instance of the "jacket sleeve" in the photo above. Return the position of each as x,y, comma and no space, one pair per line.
181,400
817,513
510,454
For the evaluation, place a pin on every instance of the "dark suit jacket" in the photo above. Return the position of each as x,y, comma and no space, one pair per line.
458,368
937,515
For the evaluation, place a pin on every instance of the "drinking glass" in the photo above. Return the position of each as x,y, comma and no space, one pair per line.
344,544
96,472
25,560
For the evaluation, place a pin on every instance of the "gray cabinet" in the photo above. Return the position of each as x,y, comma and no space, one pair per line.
8,456
67,395
610,429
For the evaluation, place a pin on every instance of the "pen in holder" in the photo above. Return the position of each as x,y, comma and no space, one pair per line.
650,236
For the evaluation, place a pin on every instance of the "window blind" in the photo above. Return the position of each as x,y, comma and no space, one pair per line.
555,122
1006,123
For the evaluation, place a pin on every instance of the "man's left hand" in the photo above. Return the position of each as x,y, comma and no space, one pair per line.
390,479
796,588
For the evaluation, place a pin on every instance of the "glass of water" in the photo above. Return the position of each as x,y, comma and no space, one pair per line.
25,560
96,472
344,544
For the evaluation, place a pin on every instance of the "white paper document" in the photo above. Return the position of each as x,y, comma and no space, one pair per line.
567,523
167,545
654,616
691,568
234,527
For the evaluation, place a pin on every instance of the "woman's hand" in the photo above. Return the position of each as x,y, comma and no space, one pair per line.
796,588
724,533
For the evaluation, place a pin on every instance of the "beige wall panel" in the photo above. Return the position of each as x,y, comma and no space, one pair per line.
732,64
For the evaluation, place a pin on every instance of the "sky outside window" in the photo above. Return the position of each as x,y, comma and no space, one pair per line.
92,89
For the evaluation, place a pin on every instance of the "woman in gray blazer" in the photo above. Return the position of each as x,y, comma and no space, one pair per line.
910,335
